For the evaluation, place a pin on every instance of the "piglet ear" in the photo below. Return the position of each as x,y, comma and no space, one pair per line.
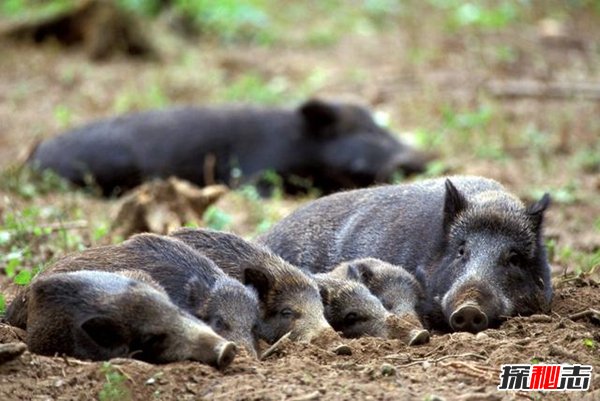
258,279
106,332
454,203
535,211
318,115
325,295
360,272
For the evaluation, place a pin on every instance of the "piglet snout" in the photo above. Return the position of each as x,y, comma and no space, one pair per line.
225,354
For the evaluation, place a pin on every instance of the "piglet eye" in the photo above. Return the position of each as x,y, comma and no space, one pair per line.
351,318
220,324
286,312
461,251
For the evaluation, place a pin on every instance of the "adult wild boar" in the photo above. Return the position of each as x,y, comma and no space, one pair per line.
289,300
192,282
476,248
327,145
99,315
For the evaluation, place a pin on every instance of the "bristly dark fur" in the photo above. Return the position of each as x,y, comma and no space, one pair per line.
318,141
446,232
289,299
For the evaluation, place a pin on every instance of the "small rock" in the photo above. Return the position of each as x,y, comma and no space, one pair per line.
434,397
388,370
481,336
343,350
151,381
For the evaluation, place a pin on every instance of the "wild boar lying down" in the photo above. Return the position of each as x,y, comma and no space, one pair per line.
477,249
99,315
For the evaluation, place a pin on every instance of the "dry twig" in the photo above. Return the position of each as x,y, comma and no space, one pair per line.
273,348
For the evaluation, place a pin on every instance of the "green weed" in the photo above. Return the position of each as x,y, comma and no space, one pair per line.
130,99
2,304
216,218
63,115
30,183
115,388
253,88
33,8
228,20
590,343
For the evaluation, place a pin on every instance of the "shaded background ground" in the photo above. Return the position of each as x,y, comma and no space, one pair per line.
431,70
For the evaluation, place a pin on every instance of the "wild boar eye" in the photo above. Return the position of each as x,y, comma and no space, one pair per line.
461,251
286,312
514,260
350,318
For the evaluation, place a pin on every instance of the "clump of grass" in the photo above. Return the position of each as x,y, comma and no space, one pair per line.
29,183
228,20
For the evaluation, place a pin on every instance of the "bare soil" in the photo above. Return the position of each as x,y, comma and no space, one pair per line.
414,71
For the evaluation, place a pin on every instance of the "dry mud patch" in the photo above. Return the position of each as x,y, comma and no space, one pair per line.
457,366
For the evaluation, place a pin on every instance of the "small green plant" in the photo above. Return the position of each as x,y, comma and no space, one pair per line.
253,88
228,20
131,99
63,115
114,389
19,8
590,343
2,304
535,360
143,7
30,183
216,218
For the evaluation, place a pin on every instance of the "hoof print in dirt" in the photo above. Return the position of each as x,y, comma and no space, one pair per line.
11,351
162,206
99,26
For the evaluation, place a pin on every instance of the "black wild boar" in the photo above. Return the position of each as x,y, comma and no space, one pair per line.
289,300
398,290
192,281
331,145
99,315
476,248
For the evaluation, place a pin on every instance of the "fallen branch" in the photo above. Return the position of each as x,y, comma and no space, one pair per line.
273,348
442,358
315,395
586,313
538,89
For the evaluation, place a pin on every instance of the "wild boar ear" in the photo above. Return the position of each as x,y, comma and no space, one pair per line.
106,332
318,115
325,296
454,203
361,272
535,211
258,279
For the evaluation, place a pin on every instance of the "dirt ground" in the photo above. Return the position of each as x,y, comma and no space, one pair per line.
432,85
